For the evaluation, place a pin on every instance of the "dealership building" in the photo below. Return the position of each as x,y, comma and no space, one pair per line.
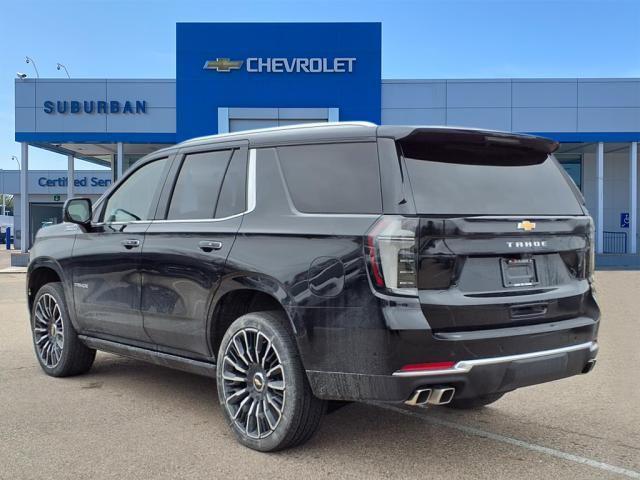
237,76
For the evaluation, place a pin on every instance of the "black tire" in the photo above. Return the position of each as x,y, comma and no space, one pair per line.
69,356
476,402
291,414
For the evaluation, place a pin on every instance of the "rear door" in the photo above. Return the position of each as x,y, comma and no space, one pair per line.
502,237
186,247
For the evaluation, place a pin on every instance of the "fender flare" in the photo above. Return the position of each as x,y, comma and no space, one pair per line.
52,264
251,281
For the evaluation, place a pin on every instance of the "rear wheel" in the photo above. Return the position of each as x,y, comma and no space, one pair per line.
262,386
476,402
58,349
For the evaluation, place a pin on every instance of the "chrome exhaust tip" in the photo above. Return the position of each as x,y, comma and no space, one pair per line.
419,398
441,396
589,366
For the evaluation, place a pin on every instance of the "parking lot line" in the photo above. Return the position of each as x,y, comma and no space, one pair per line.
519,443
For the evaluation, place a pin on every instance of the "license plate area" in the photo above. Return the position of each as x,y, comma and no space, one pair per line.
518,272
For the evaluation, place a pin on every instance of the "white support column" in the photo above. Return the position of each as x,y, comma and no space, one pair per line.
70,176
334,115
24,198
119,160
600,196
223,120
633,198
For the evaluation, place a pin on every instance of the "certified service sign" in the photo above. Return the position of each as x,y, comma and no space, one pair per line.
284,65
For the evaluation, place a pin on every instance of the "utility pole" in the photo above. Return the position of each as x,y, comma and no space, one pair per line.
3,204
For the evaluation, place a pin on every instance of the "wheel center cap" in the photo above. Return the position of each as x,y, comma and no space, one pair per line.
258,382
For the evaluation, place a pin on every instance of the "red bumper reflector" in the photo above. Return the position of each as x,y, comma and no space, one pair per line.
427,366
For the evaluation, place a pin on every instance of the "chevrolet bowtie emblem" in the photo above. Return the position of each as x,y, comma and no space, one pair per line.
223,64
526,225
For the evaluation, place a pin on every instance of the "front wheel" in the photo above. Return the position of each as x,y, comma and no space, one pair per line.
262,385
58,349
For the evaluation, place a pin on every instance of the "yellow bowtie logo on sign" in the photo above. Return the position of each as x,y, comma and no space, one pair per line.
223,64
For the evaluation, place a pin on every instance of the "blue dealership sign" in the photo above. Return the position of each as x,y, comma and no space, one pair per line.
276,65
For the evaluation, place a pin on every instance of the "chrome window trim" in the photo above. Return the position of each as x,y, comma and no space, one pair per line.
251,181
465,366
251,201
251,197
339,215
251,205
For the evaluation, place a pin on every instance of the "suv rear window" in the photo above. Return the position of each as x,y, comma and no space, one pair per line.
459,179
333,178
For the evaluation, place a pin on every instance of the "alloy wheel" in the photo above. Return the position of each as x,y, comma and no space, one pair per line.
253,383
48,330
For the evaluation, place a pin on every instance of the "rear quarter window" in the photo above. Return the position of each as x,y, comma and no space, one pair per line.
333,178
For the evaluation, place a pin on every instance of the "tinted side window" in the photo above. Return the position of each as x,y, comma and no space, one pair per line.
196,190
333,178
134,199
233,195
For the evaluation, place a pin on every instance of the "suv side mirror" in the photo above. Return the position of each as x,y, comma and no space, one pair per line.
77,210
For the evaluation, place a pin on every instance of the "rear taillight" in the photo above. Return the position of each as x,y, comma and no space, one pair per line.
591,253
390,249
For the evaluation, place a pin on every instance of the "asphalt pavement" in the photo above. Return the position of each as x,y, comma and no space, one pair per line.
129,420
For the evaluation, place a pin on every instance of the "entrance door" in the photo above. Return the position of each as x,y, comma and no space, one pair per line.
185,250
106,260
43,215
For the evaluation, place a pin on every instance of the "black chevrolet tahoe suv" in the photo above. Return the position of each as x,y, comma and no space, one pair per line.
334,262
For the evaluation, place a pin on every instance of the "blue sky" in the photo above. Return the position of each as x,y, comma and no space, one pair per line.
421,39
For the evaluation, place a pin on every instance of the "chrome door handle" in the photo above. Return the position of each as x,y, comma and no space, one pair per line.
209,245
130,243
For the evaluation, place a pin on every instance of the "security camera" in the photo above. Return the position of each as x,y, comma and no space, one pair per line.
21,75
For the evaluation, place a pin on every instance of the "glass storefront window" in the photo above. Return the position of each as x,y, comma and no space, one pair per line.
572,163
130,159
43,215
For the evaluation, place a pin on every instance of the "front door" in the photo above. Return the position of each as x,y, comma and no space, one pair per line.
186,248
106,259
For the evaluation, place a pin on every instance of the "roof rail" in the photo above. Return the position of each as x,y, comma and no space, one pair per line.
275,129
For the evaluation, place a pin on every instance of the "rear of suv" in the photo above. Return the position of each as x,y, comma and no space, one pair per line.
349,262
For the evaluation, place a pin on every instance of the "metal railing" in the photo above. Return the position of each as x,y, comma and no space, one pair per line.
615,242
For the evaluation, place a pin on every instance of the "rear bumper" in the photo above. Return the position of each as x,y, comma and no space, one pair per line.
470,378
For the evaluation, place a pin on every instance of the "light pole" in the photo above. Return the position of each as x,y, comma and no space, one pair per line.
3,204
61,66
17,161
30,60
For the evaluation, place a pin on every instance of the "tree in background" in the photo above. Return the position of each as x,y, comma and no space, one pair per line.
8,204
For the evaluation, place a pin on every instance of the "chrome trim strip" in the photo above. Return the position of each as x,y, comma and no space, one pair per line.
465,366
251,182
251,201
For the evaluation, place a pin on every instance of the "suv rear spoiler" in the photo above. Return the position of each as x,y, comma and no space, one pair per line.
468,136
